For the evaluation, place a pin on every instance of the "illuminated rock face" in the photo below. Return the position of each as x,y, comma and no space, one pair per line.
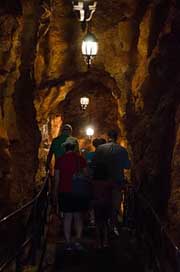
133,83
17,118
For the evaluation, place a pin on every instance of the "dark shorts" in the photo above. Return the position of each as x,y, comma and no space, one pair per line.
102,202
102,212
68,202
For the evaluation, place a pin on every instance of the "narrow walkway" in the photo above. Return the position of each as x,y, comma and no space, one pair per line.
124,253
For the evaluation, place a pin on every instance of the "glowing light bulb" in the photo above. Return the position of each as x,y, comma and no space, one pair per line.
89,132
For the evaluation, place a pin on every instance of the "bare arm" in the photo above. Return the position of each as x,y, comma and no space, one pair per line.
127,162
77,147
56,189
85,171
56,177
49,158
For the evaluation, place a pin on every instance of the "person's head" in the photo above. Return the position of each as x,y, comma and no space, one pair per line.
66,130
98,141
69,144
69,147
102,141
112,135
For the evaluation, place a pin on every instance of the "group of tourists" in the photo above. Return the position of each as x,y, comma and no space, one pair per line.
89,181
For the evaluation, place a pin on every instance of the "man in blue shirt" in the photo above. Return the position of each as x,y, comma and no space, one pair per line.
113,158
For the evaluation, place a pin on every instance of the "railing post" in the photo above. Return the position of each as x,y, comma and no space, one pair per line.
34,231
178,259
18,264
39,219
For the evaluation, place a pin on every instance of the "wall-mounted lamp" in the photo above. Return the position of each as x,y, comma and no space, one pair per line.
89,132
89,48
84,101
84,9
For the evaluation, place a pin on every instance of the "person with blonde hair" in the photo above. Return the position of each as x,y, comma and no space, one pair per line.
71,204
56,148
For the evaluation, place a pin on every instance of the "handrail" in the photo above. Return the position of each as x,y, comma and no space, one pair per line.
4,219
27,204
162,246
29,223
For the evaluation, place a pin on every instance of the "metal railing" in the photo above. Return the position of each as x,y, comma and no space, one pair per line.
163,254
22,233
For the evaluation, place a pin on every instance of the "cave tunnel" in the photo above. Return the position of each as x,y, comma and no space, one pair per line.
132,84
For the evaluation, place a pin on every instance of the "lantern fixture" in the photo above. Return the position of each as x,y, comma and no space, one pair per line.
89,48
89,132
84,101
84,9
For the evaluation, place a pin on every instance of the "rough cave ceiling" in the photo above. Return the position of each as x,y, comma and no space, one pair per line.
136,71
102,104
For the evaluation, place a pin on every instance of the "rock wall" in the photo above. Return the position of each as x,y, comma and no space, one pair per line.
153,108
19,25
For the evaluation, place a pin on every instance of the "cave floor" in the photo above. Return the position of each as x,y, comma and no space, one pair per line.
124,253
